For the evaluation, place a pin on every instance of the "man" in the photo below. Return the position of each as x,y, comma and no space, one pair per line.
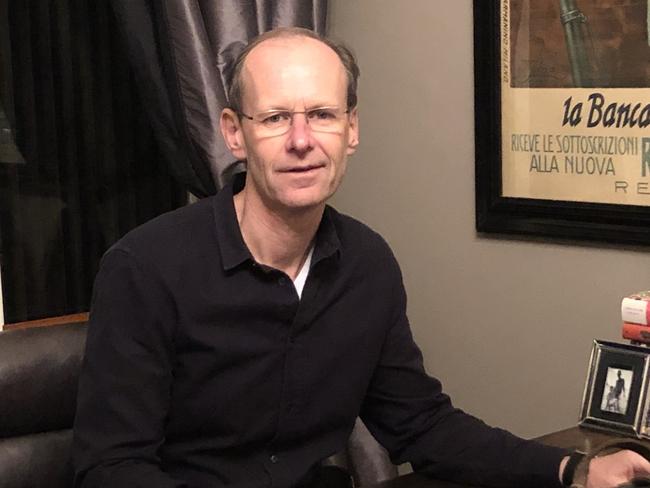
233,342
619,390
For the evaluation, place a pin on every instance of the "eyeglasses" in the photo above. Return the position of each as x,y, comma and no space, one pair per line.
278,122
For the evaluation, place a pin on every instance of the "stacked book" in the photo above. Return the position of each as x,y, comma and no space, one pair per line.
635,312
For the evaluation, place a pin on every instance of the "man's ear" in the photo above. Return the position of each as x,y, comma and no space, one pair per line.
231,131
353,131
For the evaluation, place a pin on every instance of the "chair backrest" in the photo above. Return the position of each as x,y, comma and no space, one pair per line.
364,459
39,371
369,462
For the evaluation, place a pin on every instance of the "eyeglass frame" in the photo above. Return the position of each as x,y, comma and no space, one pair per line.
292,114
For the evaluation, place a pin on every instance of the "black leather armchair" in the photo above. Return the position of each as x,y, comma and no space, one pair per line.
39,370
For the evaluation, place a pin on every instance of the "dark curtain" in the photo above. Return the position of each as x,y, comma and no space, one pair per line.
91,167
180,50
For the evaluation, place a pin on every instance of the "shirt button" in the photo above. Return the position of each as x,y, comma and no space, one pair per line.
274,459
282,281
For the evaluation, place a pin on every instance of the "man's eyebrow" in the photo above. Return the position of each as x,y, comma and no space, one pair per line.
275,109
308,107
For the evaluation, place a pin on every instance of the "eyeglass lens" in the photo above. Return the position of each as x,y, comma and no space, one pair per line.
319,119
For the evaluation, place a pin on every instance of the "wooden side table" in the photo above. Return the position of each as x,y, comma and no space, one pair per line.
578,438
572,439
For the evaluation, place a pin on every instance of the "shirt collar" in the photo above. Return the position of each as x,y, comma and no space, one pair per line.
232,247
327,239
231,243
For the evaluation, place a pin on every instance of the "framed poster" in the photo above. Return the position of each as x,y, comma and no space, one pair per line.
562,94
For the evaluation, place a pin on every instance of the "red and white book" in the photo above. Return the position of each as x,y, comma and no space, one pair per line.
635,308
636,332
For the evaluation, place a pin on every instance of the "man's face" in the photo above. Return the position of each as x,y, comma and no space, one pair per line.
303,167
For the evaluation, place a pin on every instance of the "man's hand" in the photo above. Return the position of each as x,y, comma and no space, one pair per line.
614,469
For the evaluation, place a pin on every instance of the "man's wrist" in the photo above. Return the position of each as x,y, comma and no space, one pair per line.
565,459
568,467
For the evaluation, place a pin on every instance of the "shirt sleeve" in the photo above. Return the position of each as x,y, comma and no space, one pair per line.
408,413
124,389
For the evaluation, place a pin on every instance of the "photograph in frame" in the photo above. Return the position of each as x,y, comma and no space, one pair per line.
562,92
615,396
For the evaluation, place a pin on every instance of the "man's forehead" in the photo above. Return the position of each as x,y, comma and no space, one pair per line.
291,44
276,60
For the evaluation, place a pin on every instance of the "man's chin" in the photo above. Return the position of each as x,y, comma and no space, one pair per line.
301,200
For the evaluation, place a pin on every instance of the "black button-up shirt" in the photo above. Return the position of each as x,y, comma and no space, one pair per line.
205,369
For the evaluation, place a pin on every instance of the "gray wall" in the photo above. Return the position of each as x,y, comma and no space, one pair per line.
506,324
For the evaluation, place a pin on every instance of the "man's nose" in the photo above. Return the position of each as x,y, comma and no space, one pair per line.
300,137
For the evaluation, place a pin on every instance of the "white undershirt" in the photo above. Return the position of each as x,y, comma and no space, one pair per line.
299,282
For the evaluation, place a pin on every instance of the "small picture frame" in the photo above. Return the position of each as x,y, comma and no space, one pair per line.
616,389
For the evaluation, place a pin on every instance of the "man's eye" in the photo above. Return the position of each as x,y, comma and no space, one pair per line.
275,118
321,114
